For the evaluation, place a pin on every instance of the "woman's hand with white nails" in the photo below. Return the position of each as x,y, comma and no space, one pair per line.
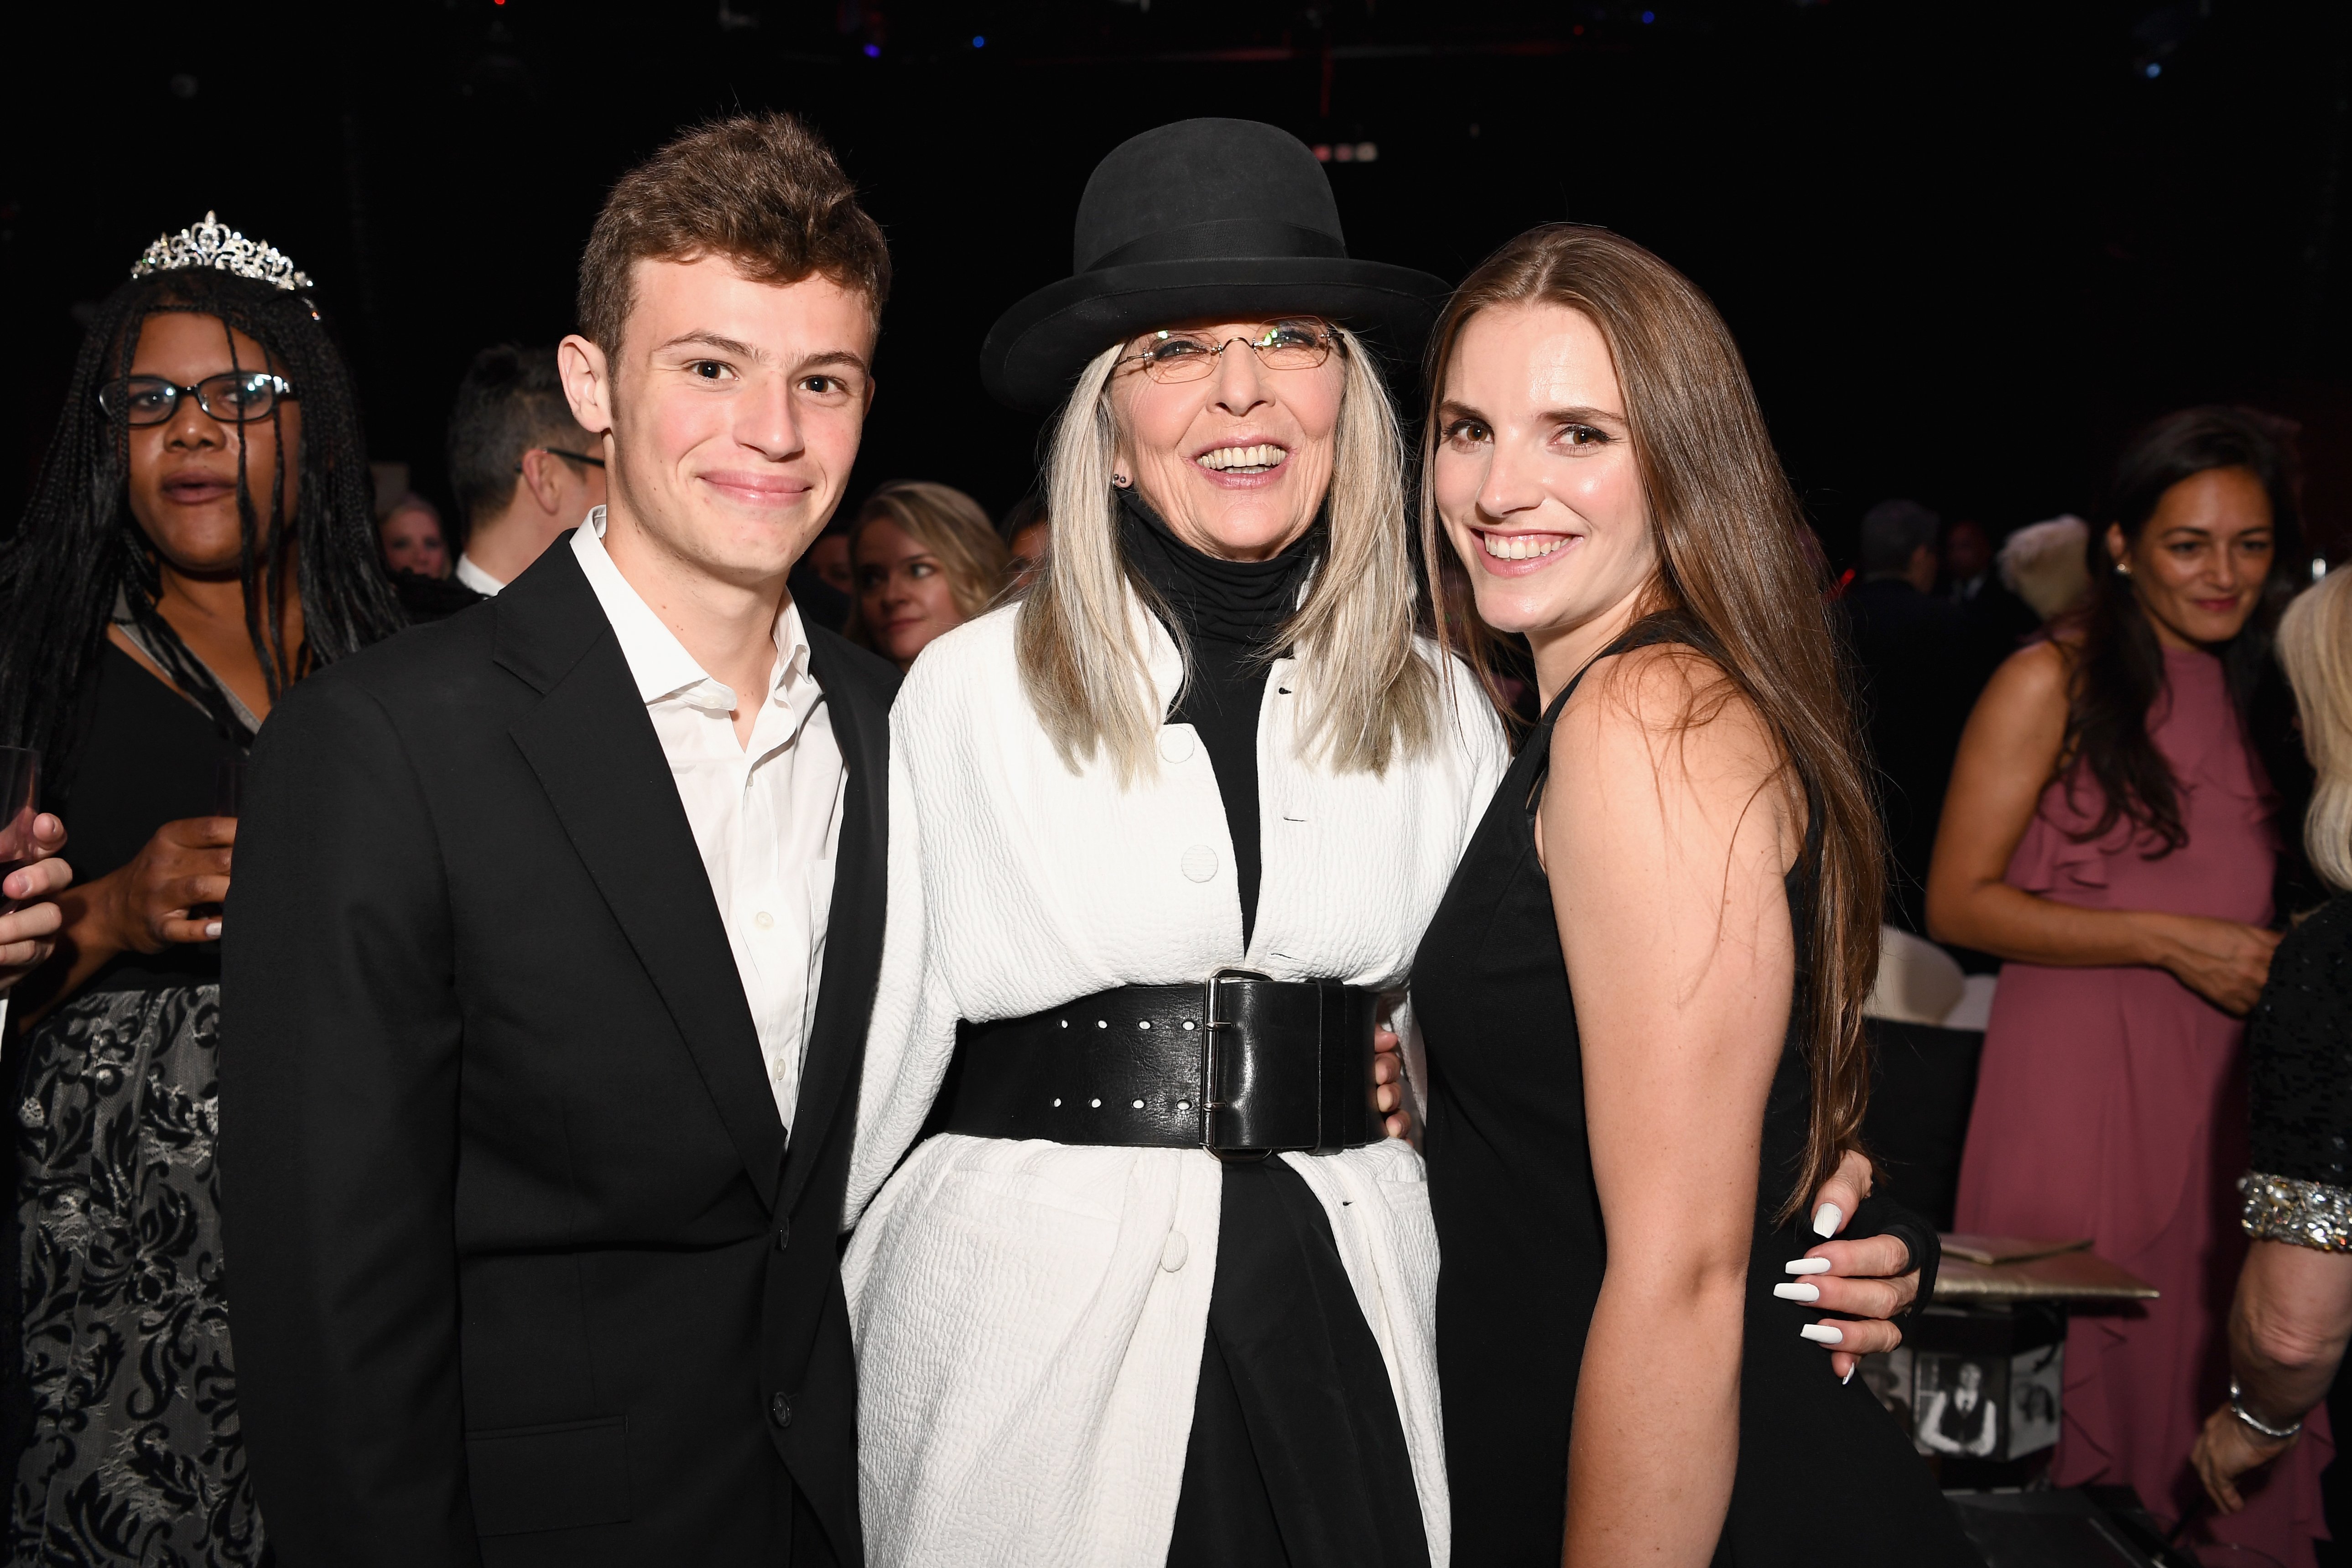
1858,1278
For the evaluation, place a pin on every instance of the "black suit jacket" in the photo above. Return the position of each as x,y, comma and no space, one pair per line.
526,1269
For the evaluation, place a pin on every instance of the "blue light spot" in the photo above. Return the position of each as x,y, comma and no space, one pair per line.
977,42
873,51
2154,70
1648,17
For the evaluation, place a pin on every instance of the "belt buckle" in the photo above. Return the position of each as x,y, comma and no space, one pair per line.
1210,1102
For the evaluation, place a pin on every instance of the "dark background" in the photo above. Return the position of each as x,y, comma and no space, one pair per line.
1965,246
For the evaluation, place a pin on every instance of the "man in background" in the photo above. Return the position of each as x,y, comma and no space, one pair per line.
1997,621
1911,652
521,467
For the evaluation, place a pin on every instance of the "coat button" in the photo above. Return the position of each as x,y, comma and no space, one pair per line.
780,1410
1176,742
783,1233
1200,862
1174,1251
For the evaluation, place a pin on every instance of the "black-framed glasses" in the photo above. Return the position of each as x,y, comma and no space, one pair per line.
560,452
233,397
1297,343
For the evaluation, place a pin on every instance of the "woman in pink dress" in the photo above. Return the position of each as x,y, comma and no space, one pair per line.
2108,832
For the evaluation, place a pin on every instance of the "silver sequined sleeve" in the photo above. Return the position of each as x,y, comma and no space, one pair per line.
2302,1214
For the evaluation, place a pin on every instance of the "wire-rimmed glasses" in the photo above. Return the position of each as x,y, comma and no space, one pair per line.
1294,342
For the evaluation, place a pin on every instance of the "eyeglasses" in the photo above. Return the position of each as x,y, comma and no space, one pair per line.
1300,343
560,452
233,397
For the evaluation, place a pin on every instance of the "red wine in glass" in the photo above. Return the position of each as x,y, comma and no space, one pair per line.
20,794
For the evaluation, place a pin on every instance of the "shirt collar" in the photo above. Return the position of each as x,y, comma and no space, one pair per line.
470,574
657,660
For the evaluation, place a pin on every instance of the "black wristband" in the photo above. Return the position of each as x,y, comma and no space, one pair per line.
1882,1216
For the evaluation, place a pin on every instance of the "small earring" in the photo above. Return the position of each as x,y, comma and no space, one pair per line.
2123,568
1122,480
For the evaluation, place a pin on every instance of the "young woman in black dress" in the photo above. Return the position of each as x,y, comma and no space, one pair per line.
1641,998
199,539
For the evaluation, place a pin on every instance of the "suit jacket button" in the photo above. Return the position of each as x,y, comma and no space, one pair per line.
783,1232
780,1409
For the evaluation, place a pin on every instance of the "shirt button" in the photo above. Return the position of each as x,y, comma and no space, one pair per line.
1200,862
780,1410
764,921
1174,1251
776,1070
1176,743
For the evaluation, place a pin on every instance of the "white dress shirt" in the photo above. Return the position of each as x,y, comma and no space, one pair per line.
766,815
474,577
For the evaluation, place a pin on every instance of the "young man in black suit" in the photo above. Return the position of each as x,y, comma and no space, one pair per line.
552,944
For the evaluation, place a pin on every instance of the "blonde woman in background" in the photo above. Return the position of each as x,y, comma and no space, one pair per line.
923,560
2042,565
2294,1307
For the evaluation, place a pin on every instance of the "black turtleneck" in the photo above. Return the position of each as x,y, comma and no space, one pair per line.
1230,611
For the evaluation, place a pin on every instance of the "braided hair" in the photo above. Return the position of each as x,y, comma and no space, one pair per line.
77,548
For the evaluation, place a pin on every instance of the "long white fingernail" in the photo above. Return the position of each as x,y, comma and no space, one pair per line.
1822,1334
1808,1265
1794,1291
1826,1219
1847,1378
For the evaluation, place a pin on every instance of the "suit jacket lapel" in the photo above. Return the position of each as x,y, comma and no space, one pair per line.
593,748
852,943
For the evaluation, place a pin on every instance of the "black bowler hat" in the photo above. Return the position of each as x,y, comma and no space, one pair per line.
1204,218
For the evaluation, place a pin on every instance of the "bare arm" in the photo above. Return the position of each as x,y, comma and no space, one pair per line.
2288,1327
146,906
1665,854
2007,755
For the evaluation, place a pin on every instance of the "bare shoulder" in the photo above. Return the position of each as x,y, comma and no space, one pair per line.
1666,701
2035,677
2031,690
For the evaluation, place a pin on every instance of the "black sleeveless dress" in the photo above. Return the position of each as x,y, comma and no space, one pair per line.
1825,1475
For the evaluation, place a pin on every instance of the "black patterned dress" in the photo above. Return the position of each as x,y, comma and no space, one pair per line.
122,1413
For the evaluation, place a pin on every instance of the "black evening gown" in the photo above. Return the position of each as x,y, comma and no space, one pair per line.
121,1409
1296,1457
1825,1475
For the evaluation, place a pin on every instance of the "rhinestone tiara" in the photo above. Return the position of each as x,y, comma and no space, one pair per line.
213,244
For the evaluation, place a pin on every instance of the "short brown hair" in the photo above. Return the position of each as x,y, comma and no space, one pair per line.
760,190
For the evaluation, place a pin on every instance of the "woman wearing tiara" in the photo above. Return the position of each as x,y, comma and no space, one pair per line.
198,540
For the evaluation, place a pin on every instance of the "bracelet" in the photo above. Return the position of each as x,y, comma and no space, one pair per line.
2275,1434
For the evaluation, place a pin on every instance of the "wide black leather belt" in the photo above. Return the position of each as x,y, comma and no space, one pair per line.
1242,1066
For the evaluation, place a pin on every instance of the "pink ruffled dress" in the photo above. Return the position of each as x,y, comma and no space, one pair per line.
2111,1103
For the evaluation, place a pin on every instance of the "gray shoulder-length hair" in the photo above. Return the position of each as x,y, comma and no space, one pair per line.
1372,693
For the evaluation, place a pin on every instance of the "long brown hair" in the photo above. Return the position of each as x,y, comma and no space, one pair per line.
1733,563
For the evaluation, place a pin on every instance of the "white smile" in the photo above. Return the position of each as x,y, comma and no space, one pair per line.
1520,546
1256,459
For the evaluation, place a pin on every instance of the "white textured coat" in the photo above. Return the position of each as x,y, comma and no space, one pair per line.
1029,1316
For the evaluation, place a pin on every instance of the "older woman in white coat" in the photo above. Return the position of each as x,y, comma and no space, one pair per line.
1158,1289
